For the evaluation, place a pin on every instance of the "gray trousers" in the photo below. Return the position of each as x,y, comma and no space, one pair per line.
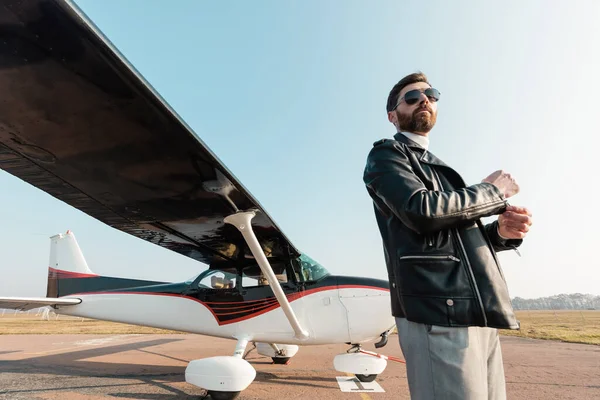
444,363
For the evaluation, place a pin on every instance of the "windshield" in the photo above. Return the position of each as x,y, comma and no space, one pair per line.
192,279
311,270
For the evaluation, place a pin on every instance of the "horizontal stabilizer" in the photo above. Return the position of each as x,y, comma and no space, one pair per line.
29,303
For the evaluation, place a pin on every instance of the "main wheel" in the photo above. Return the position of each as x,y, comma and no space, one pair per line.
366,378
216,395
280,360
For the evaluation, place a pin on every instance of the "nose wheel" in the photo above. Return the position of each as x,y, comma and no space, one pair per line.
364,366
366,378
281,360
215,395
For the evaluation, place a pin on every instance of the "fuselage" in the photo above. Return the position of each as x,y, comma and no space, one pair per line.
333,309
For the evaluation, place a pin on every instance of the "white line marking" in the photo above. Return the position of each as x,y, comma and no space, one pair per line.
353,385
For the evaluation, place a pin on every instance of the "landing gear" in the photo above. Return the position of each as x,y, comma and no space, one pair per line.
279,353
223,377
281,360
214,395
366,378
364,366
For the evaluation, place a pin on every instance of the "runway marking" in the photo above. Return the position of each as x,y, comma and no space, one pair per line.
85,343
99,341
350,384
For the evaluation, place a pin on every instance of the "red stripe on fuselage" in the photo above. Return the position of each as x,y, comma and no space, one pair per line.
258,309
227,306
241,302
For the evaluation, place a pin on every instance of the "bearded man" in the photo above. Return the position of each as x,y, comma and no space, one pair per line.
447,289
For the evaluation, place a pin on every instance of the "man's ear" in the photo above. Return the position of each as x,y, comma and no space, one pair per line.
393,118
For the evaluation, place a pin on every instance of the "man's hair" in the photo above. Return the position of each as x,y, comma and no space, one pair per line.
407,80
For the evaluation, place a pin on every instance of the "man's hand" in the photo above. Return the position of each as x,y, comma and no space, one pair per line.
514,223
504,182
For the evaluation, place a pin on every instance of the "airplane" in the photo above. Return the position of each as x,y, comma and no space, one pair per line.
80,123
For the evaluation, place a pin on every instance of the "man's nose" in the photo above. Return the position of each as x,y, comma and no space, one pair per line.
423,99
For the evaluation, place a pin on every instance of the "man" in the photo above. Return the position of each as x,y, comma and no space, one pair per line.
448,292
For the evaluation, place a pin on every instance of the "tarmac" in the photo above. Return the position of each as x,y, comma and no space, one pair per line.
151,367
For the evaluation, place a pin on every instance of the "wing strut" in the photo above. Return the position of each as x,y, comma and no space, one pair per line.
243,222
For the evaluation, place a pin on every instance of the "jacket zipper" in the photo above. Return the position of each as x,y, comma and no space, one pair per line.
467,263
448,257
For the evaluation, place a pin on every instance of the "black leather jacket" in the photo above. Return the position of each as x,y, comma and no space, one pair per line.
441,259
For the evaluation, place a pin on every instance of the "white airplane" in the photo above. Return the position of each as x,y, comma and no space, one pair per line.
80,123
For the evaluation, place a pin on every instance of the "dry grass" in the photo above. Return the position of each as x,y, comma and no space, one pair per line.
20,324
562,325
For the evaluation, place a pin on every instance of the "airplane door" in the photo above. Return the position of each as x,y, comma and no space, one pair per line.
218,290
254,284
259,302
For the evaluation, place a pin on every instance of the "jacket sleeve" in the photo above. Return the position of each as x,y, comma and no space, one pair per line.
390,179
498,242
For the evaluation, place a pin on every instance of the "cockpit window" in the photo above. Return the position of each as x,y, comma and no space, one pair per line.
310,269
252,275
217,279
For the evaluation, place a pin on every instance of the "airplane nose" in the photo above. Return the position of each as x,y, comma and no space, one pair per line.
369,312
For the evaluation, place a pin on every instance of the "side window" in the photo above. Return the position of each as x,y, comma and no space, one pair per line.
218,280
252,275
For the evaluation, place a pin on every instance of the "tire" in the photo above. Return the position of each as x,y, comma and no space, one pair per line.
366,378
280,360
216,395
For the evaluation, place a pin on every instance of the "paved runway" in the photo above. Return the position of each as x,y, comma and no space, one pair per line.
151,367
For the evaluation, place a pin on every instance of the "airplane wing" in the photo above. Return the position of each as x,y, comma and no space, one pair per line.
29,303
80,123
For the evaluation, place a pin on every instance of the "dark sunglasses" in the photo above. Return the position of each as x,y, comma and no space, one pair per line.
413,96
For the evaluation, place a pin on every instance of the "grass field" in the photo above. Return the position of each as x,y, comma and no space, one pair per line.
566,326
563,325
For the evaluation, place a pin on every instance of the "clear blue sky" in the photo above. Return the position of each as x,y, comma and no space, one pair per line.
291,96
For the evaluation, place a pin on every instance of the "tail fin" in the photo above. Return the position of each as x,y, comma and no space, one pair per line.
66,261
66,256
68,272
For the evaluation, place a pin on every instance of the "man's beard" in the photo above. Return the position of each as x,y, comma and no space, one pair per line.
417,122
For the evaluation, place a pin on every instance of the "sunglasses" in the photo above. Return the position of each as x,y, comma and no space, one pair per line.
413,96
